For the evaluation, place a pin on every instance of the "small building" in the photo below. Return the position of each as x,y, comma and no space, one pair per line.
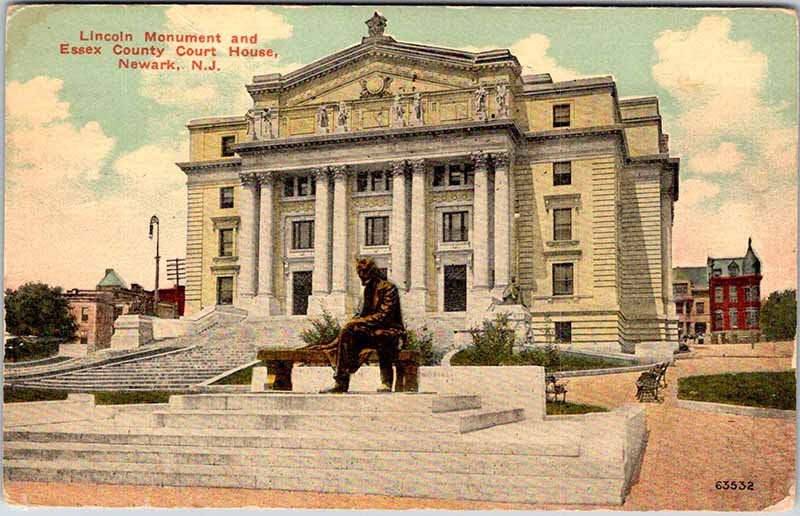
95,311
735,288
175,296
690,293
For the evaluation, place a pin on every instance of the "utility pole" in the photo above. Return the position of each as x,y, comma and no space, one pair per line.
154,222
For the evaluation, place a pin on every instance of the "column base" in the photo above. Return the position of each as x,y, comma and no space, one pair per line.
267,304
414,302
334,303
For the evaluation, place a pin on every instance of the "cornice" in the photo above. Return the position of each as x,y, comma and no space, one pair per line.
555,134
209,166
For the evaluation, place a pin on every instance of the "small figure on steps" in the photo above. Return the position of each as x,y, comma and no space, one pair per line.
378,326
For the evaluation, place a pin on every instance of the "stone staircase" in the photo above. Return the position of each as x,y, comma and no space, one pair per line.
411,444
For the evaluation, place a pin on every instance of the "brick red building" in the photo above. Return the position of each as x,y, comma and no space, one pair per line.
735,291
175,295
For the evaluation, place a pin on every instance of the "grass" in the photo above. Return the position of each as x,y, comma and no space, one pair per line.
556,409
768,390
23,394
132,397
549,359
240,377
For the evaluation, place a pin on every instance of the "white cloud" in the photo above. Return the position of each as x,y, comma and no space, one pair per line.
58,227
532,53
724,159
695,192
202,93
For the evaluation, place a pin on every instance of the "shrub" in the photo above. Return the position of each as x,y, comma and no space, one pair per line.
40,310
779,315
421,340
492,344
322,330
21,349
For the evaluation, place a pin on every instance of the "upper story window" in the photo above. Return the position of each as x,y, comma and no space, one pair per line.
700,308
457,174
303,234
227,146
299,186
562,173
454,226
562,224
377,231
733,270
563,279
226,197
754,293
561,115
680,289
375,181
226,242
717,273
733,295
718,294
84,313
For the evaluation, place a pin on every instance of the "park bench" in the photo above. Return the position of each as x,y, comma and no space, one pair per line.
554,389
281,361
650,382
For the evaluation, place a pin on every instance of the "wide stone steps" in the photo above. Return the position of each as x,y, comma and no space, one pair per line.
510,487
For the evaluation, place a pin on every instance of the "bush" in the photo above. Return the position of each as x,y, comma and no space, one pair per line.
322,330
40,310
22,349
422,341
778,317
492,345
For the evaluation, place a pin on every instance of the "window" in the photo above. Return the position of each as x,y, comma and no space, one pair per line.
562,279
717,273
733,315
227,143
377,231
700,307
226,242
303,234
458,174
718,320
562,224
226,197
454,227
733,269
299,186
718,294
754,293
562,173
225,290
376,181
680,289
563,332
733,296
752,318
84,313
561,115
84,337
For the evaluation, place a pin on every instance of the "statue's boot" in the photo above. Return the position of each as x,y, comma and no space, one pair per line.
387,378
342,385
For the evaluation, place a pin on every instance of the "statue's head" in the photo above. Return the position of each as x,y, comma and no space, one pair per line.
366,270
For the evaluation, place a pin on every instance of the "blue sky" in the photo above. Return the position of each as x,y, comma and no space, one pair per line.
91,149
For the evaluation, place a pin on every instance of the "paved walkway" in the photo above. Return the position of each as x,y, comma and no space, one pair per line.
687,453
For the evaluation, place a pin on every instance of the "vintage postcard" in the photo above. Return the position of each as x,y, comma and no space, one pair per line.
400,257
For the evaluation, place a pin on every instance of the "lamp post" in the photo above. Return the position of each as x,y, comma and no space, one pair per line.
154,222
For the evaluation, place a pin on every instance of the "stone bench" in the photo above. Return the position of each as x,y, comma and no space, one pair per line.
281,361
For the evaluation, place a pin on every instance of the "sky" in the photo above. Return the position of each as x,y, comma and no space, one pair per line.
91,148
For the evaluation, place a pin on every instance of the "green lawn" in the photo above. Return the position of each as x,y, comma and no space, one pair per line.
23,394
240,377
768,390
552,360
555,409
132,397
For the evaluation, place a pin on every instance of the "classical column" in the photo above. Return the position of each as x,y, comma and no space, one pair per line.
322,225
418,286
248,236
502,221
398,239
339,267
480,224
266,236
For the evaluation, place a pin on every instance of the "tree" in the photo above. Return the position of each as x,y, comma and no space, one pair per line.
779,315
40,310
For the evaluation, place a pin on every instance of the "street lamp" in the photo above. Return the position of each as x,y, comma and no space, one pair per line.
154,222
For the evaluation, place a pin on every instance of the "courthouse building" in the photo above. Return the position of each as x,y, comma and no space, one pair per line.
458,174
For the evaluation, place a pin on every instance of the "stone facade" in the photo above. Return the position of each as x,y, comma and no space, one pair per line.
459,175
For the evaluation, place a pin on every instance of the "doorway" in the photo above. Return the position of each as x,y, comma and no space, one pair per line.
301,289
455,288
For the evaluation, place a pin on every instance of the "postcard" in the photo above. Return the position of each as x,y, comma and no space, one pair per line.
400,257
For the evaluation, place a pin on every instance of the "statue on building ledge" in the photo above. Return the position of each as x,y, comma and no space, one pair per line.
397,112
266,124
501,98
378,326
322,120
250,118
416,109
481,104
342,117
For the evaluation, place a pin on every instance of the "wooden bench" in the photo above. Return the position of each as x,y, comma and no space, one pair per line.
553,389
650,382
281,361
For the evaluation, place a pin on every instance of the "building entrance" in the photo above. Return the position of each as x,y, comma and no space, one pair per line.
455,288
301,289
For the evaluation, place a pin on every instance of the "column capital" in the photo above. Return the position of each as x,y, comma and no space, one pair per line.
320,173
266,178
340,172
480,159
501,159
398,168
249,179
417,166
